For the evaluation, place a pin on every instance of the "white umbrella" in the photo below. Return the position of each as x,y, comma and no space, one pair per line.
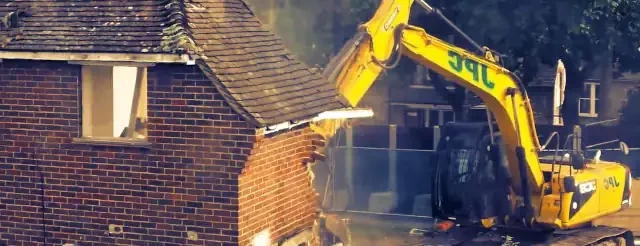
558,93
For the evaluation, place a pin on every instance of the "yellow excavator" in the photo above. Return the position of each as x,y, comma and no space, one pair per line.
492,183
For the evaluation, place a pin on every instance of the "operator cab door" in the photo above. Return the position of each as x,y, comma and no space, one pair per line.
471,180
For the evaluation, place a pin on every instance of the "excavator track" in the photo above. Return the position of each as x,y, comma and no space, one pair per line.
595,236
617,241
592,236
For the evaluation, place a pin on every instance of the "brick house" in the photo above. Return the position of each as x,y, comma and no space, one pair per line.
541,93
153,123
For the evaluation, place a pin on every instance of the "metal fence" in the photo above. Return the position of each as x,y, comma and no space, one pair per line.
394,180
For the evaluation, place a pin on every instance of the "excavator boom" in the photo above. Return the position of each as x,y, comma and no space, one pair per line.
542,196
367,54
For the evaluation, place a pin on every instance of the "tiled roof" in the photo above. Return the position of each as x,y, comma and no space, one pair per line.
547,76
248,64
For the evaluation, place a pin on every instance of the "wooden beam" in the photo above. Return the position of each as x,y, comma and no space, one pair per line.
112,64
109,141
105,57
135,102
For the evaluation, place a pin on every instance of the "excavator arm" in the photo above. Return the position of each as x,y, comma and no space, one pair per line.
388,35
569,199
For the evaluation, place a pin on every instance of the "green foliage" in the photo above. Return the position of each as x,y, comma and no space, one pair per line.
303,25
585,34
628,130
527,33
359,11
542,31
306,37
533,32
630,115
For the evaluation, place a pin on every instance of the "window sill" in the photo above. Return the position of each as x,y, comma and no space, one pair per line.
416,86
119,142
588,115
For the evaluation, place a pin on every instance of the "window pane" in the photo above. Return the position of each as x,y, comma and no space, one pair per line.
597,88
108,101
434,118
421,76
97,101
597,106
124,83
418,75
586,90
414,118
427,83
448,116
584,105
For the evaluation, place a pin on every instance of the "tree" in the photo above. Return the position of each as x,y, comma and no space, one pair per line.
349,14
302,25
630,116
585,34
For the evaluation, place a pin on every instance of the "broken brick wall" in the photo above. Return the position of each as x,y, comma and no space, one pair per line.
276,195
186,181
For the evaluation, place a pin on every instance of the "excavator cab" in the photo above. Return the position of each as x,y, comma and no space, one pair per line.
471,178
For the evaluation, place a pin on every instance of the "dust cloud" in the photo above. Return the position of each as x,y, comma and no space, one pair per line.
313,32
304,25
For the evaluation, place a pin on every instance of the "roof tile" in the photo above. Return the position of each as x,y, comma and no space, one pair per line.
249,65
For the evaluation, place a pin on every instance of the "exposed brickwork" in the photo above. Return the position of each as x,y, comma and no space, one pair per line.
257,73
187,181
275,189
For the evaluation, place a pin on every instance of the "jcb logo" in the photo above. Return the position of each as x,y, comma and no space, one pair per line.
394,14
478,70
587,187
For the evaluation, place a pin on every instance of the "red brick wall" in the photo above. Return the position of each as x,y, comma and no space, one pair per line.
186,181
275,190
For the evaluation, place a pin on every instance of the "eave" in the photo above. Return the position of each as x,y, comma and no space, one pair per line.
100,57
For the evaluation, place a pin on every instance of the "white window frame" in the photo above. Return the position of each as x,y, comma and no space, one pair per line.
88,111
592,99
409,110
420,83
429,107
440,116
421,77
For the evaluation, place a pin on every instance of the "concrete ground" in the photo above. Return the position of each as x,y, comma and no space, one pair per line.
375,230
629,218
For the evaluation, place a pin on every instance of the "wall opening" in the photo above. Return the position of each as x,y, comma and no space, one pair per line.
114,100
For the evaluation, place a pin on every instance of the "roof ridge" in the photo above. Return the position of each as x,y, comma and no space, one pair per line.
177,38
265,94
257,75
13,23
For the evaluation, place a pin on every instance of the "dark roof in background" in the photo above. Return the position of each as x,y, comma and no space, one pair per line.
547,77
249,65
